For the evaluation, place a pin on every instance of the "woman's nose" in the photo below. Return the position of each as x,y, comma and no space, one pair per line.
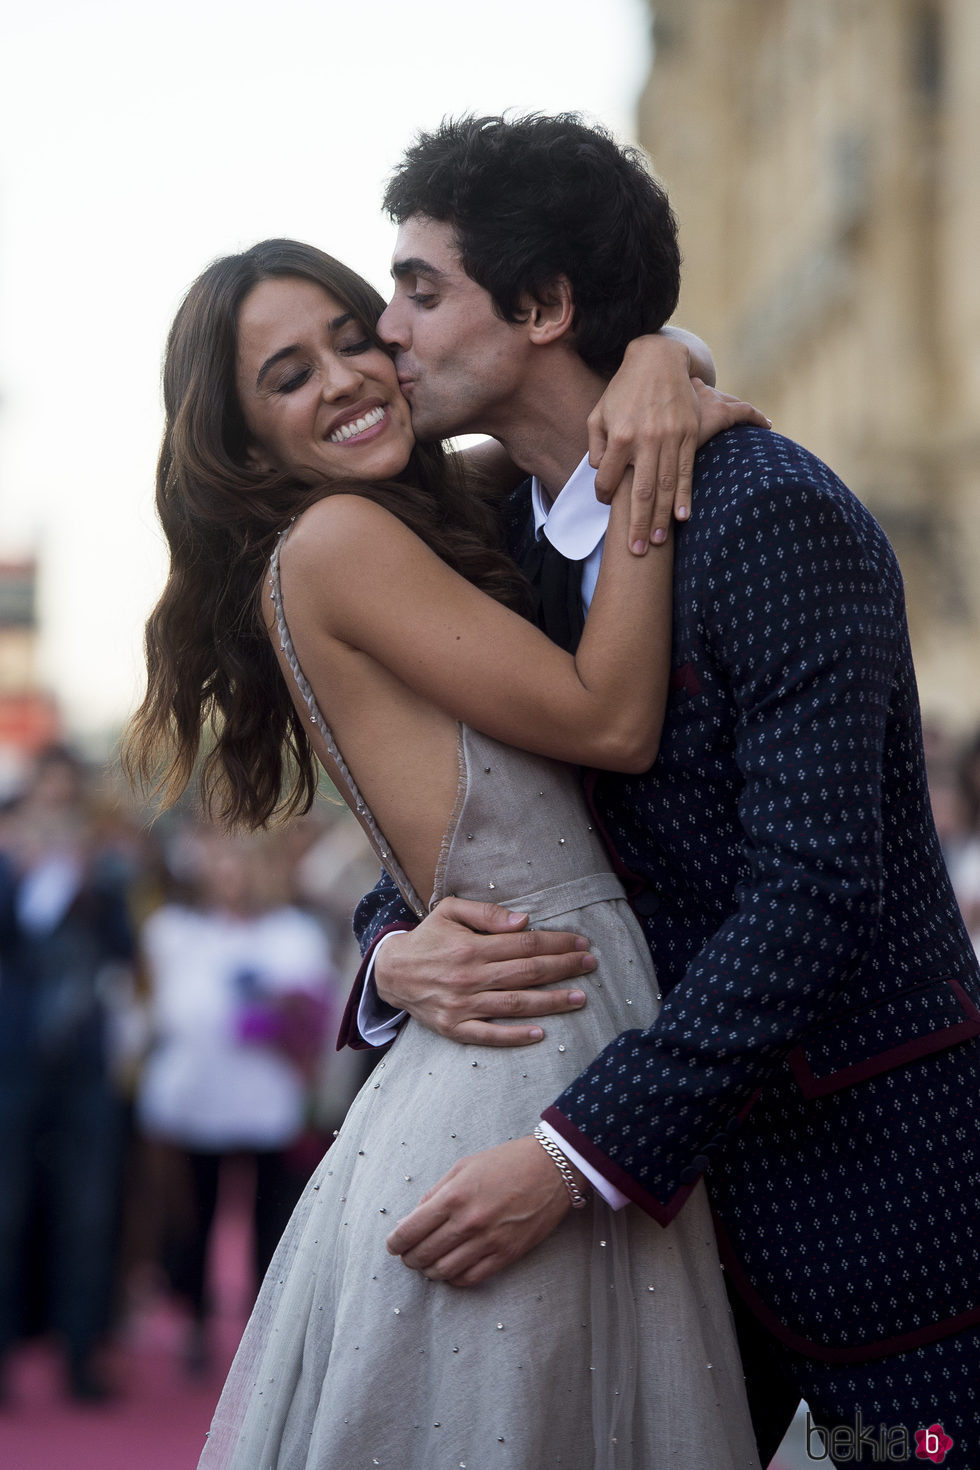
341,377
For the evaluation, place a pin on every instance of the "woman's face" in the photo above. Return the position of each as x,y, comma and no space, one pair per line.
320,400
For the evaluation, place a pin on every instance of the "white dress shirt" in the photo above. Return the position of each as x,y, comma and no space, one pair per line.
575,523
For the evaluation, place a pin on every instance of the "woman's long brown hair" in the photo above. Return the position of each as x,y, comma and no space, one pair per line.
210,665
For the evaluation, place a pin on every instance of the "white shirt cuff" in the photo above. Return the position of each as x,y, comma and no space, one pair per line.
614,1198
374,1027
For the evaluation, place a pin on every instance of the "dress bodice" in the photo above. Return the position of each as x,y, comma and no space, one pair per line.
519,831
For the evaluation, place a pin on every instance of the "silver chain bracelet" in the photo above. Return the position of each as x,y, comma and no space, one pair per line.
579,1200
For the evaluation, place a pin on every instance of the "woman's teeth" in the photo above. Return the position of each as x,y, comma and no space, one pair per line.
347,431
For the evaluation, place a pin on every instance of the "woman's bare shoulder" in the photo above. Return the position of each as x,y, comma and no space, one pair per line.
343,515
340,529
346,558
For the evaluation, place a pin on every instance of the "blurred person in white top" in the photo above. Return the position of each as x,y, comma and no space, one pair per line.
241,987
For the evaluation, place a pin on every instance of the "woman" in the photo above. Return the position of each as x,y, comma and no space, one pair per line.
610,1344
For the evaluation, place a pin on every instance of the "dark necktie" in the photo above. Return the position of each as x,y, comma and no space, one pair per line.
557,587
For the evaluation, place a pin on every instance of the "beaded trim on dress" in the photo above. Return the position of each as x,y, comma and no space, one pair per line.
376,837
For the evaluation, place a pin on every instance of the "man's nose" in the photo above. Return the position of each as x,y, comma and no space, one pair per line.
392,325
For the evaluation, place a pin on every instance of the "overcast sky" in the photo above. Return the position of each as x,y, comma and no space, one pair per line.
140,140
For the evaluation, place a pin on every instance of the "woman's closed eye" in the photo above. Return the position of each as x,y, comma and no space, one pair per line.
294,381
353,349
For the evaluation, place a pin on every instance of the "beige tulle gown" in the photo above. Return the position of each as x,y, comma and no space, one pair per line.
609,1346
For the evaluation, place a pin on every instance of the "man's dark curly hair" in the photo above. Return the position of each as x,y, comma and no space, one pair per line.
534,198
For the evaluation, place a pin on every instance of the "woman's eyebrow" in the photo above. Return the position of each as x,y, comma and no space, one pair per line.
270,362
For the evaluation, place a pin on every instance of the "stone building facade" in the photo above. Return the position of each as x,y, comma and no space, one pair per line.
823,157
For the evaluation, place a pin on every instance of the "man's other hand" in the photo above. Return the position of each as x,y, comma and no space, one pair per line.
487,1212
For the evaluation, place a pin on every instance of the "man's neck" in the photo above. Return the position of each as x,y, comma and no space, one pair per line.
546,434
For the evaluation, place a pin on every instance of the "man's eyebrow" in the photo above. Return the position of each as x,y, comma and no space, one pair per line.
414,265
270,362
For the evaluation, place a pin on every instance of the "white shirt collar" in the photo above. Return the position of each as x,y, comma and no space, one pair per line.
576,521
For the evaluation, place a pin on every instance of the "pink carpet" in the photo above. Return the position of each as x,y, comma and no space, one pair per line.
160,1417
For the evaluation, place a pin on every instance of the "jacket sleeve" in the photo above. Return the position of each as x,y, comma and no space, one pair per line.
380,912
804,618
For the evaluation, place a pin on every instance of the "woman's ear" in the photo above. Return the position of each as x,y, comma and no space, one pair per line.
552,317
257,459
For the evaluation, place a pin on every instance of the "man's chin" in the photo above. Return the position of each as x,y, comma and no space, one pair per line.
428,427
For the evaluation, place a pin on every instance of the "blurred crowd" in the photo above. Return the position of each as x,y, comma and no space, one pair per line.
169,998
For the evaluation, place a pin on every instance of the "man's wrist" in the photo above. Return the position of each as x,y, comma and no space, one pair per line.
614,1198
377,1021
575,1183
377,971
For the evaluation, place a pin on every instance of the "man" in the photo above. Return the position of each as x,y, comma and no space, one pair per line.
816,1054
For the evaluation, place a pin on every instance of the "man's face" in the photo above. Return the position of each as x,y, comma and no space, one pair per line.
458,363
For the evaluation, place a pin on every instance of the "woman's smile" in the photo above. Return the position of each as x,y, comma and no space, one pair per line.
315,385
357,428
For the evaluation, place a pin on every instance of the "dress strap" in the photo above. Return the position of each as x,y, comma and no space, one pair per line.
362,811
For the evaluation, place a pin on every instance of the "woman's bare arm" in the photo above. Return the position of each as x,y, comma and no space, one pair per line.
700,360
654,415
353,572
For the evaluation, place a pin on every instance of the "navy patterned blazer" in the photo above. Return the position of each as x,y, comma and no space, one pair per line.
817,1052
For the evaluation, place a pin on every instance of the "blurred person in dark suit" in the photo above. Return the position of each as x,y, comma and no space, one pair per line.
64,927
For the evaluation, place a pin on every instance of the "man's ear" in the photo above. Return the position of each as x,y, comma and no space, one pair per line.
552,318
